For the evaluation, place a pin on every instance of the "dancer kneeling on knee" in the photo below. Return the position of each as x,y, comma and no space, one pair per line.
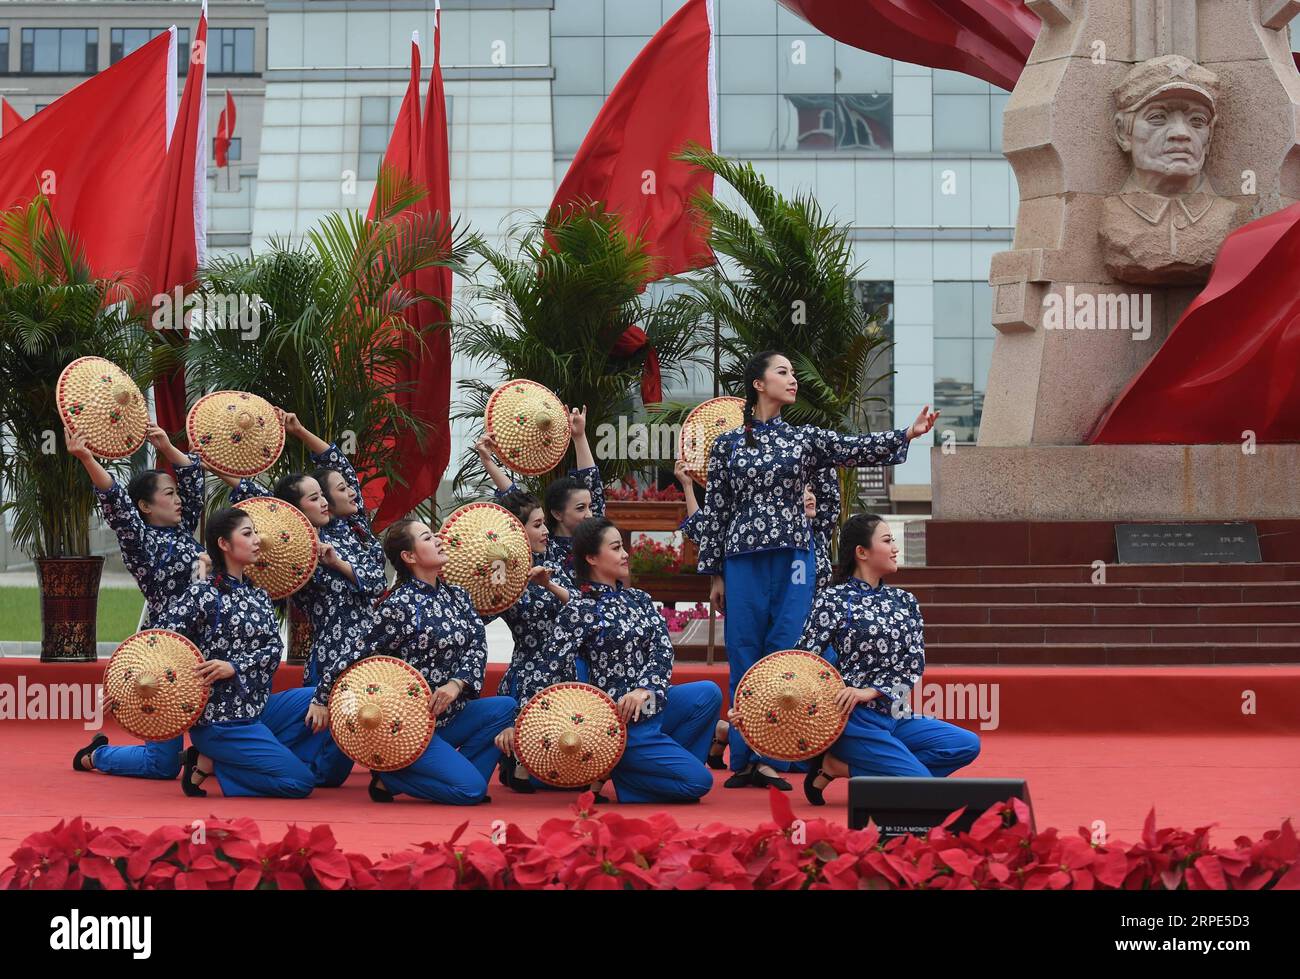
875,635
434,626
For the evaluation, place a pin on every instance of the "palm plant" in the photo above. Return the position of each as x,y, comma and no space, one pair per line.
332,329
53,310
569,287
791,286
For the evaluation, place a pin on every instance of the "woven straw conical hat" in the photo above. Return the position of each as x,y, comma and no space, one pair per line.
381,713
529,425
235,433
487,555
701,429
570,735
99,401
290,547
150,687
787,705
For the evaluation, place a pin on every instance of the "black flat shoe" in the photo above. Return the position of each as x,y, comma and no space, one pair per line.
715,761
98,741
815,771
761,781
513,780
190,768
377,791
741,780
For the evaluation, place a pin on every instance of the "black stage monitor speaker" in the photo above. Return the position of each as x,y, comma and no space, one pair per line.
916,805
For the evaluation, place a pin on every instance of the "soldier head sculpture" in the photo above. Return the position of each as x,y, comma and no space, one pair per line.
1167,222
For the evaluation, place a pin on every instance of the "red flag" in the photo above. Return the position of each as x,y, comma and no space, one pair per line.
225,131
419,148
97,153
666,99
9,118
1232,362
177,240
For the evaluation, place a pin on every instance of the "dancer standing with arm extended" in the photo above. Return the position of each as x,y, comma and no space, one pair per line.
755,537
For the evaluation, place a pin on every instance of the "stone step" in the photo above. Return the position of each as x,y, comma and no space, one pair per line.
1170,593
1091,633
1277,571
1150,614
1105,654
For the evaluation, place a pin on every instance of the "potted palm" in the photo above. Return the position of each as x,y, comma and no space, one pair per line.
563,291
52,311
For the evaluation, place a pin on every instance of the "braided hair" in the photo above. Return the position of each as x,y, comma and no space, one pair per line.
754,371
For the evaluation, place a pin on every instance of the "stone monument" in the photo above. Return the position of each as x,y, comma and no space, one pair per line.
1141,133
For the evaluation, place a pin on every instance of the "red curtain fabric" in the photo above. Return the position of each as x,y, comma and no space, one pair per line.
9,118
1231,364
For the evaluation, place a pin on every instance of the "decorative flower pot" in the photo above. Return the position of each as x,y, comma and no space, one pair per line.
69,607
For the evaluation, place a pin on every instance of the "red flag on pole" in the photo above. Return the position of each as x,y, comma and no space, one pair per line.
9,118
97,153
666,99
177,241
419,148
225,131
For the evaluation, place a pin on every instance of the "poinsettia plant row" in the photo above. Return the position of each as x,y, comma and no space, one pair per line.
606,850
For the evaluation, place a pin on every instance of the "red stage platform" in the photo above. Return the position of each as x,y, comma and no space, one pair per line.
1095,744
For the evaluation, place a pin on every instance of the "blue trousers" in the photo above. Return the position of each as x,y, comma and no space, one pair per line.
153,759
454,769
329,765
655,768
769,596
923,747
275,755
691,714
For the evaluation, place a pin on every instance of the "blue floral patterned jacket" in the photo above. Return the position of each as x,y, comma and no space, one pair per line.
161,559
620,633
339,607
875,636
233,620
532,620
754,500
435,628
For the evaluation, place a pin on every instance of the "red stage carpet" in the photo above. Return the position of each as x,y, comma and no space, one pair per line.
1214,764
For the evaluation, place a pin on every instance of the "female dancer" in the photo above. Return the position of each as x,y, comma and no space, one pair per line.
154,519
532,618
568,501
874,632
255,742
624,640
339,599
755,532
433,626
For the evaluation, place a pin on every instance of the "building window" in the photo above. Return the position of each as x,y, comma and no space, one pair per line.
963,350
230,51
4,50
803,93
876,295
967,113
378,115
60,51
234,154
126,40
